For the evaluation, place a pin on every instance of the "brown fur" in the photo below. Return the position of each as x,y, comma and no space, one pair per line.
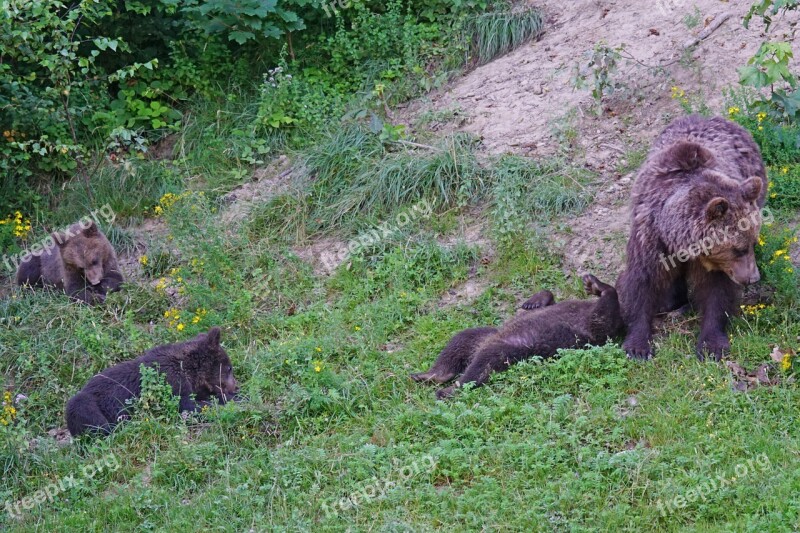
701,178
81,262
197,370
541,329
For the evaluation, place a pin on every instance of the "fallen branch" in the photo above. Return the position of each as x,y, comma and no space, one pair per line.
708,31
417,145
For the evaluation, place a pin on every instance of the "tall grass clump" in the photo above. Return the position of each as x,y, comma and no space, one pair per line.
525,190
353,175
497,33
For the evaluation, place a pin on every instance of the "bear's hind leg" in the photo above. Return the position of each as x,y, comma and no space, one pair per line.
83,414
494,356
455,357
606,318
539,300
678,295
595,287
30,272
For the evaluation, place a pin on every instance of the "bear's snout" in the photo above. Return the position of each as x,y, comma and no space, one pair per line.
94,276
745,271
229,386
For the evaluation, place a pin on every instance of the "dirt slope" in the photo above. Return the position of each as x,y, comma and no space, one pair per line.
524,102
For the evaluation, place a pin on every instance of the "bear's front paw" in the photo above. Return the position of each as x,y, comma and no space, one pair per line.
539,300
716,345
639,350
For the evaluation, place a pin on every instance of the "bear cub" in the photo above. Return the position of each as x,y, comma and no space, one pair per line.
197,370
80,261
541,329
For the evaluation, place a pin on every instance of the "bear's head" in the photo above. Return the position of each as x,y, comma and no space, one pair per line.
209,367
85,249
731,221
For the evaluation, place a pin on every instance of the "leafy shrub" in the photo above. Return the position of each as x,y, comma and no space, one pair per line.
305,102
784,187
156,400
774,261
600,65
778,140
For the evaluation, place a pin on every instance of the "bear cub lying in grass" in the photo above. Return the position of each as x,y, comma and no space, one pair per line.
541,329
197,370
81,262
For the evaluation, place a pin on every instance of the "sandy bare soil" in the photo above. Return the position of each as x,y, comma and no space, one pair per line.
524,102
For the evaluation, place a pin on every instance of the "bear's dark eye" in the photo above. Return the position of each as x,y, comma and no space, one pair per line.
740,252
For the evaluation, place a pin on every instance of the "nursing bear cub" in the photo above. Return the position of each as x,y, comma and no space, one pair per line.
541,329
695,218
80,261
197,370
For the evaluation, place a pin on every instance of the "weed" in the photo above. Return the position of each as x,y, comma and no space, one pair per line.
600,65
693,19
497,33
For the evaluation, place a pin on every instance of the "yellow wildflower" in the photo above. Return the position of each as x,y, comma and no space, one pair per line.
733,110
786,363
761,116
143,260
180,327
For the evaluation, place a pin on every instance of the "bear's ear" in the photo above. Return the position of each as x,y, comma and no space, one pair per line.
213,337
716,208
91,230
685,155
751,189
58,239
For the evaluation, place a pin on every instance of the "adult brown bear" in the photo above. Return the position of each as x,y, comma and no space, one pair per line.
695,218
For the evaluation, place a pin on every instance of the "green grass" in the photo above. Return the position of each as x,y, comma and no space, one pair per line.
588,442
546,445
497,33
